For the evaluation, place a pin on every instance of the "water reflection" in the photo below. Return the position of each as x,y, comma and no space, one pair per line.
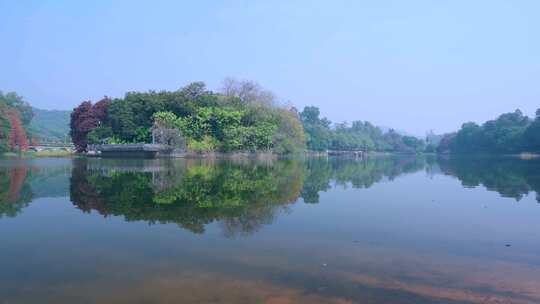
22,181
15,191
508,176
295,231
192,194
243,195
322,174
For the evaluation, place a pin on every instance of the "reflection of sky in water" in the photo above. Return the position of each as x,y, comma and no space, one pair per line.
414,239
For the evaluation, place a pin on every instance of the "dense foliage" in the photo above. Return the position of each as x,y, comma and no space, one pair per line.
86,118
509,133
242,117
15,117
322,136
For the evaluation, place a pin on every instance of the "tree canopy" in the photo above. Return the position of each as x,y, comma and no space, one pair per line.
321,135
241,117
509,133
15,117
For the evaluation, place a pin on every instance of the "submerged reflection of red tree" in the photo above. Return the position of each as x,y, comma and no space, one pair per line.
17,176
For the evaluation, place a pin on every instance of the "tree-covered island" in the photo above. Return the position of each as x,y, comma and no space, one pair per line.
244,117
241,117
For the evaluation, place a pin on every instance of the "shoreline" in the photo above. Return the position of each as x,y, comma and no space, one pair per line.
40,154
257,155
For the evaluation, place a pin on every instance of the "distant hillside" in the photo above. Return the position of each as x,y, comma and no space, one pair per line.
50,125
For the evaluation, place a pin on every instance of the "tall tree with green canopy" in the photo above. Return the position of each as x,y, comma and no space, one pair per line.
531,137
317,130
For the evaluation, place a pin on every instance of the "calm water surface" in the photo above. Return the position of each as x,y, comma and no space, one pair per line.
384,230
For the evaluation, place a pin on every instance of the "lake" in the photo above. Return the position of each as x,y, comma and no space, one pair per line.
407,229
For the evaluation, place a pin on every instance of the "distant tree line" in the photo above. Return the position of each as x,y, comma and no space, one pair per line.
243,116
509,133
322,135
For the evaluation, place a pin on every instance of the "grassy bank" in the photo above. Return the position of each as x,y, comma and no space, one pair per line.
37,154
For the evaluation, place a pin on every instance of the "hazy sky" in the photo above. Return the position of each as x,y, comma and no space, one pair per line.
412,65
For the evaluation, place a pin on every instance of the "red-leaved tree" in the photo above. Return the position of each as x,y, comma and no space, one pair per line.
17,139
84,119
100,109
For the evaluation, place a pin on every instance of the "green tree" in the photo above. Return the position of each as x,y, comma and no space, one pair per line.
509,133
531,136
318,134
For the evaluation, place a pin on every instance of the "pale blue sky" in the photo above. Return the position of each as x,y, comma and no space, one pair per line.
412,65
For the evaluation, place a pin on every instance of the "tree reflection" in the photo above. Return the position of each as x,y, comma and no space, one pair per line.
242,197
22,181
15,193
509,176
321,172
